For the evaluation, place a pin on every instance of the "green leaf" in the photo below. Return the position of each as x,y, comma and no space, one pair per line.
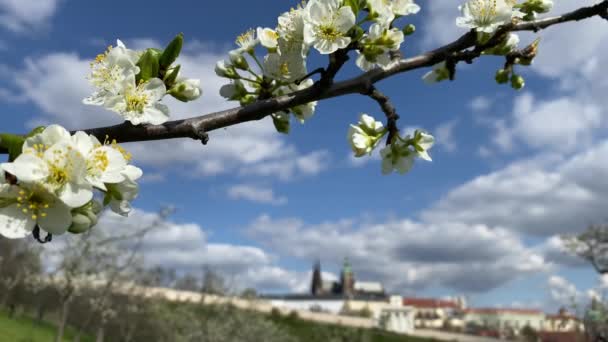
172,51
149,66
13,143
281,122
35,131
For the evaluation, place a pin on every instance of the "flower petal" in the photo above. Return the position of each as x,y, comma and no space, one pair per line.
57,220
14,224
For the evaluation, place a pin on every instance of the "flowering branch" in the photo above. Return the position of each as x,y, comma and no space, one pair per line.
197,127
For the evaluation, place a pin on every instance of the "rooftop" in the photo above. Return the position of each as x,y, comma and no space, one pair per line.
505,311
430,303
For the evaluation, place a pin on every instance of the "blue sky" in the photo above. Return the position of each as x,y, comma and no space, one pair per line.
511,171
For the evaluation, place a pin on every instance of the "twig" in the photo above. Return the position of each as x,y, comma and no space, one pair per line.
389,110
190,128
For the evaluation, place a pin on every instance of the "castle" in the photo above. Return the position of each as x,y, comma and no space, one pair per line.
347,287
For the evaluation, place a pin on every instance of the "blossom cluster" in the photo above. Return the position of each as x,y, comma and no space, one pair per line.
370,28
133,83
51,184
401,152
485,17
323,25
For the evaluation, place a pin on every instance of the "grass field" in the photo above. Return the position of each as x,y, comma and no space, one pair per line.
24,329
307,331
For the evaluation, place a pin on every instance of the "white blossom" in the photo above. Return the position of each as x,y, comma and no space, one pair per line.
397,156
326,25
108,72
386,10
268,37
377,47
120,195
247,41
364,136
140,104
22,208
423,142
105,164
486,15
61,169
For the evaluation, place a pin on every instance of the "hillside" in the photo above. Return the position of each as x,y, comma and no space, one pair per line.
24,329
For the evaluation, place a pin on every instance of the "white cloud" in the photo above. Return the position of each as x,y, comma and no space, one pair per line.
56,84
480,103
554,251
185,247
23,15
444,135
562,292
545,196
405,254
572,122
255,193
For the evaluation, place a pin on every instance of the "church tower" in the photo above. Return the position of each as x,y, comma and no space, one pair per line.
347,279
316,286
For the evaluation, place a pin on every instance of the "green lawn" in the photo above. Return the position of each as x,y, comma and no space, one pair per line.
310,331
24,329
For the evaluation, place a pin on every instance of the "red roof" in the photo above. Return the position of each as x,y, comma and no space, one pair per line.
429,303
507,310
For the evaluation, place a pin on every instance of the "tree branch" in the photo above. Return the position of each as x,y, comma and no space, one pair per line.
388,109
197,127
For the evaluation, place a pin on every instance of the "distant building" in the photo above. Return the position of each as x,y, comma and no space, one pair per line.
563,321
505,321
347,287
350,297
437,313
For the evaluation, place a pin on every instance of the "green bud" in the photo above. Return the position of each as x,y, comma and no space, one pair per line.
502,76
172,76
517,82
238,60
281,122
171,52
409,29
248,99
80,224
35,131
358,33
149,66
92,217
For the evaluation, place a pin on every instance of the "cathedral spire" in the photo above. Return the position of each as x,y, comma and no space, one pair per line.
316,286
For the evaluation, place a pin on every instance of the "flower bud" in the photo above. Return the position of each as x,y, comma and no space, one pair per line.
222,69
409,29
186,90
281,122
238,60
502,76
517,82
233,91
80,224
